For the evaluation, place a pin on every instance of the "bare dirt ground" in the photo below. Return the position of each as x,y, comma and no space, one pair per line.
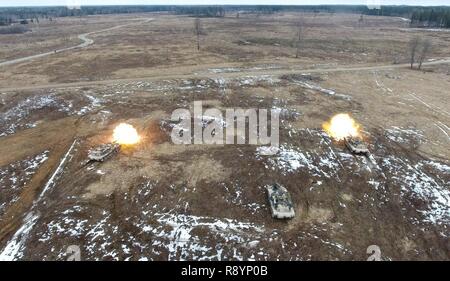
160,201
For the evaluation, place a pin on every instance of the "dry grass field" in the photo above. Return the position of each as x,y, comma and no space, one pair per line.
161,201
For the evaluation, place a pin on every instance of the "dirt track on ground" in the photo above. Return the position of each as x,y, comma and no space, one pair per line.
14,214
86,41
222,75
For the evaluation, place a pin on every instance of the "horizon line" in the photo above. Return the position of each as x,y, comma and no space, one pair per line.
237,5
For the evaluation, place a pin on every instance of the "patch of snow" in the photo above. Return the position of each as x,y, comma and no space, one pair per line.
15,176
15,246
321,90
421,187
181,242
404,135
10,121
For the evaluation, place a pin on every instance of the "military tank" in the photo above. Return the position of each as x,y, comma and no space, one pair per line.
103,152
356,146
280,202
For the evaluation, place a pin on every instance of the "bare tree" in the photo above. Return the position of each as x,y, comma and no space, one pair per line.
197,28
360,21
300,31
413,47
426,46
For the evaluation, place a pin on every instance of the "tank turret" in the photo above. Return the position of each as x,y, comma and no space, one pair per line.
280,202
103,152
356,146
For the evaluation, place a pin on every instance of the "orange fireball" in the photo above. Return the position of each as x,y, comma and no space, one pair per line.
125,134
342,126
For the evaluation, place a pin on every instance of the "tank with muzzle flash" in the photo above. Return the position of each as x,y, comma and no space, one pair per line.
103,152
356,146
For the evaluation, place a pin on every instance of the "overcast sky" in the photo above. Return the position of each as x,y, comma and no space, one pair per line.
211,2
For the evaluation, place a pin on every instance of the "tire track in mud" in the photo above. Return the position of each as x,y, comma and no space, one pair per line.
443,129
20,217
12,249
273,72
49,139
86,41
430,107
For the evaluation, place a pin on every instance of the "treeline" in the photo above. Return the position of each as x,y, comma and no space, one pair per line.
200,11
438,16
420,16
435,17
10,15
